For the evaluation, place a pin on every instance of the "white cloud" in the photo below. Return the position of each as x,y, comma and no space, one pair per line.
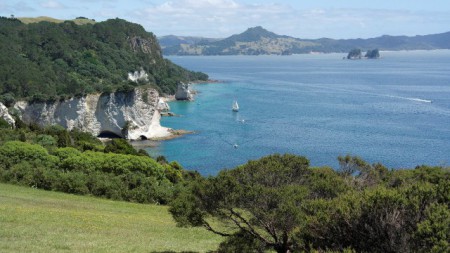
208,17
18,7
52,4
221,18
364,23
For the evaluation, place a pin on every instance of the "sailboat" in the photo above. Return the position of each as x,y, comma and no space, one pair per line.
235,107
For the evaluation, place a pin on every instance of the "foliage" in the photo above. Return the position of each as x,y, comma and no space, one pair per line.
359,173
4,124
433,232
241,242
262,199
52,158
116,176
279,203
65,60
120,146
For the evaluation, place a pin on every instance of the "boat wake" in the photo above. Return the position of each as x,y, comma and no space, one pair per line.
411,99
421,100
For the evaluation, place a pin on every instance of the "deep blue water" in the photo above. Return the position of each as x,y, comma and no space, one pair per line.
319,106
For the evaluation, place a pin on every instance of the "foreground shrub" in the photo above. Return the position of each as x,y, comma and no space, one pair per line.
115,176
278,203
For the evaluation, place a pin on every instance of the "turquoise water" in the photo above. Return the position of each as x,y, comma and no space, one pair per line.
395,110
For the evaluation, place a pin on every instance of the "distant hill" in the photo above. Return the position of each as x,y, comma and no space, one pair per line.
173,40
253,41
257,41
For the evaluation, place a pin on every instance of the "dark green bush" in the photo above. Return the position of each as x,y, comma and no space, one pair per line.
116,176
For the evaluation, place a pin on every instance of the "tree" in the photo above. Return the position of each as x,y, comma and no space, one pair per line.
349,165
120,146
359,172
408,218
433,234
66,59
262,199
4,124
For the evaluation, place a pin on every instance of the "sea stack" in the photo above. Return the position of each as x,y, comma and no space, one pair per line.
184,92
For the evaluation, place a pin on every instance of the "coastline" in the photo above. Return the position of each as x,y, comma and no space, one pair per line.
157,132
207,81
172,135
170,98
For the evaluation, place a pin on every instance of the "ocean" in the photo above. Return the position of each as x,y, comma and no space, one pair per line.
394,110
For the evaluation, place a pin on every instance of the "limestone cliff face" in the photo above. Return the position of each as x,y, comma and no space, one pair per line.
4,114
132,115
184,92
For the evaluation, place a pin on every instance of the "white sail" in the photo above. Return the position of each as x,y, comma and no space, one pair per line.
235,106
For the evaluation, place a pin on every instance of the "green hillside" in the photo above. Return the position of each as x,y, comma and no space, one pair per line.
78,21
48,61
33,220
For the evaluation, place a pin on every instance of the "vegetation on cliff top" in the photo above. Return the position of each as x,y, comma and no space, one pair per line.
47,60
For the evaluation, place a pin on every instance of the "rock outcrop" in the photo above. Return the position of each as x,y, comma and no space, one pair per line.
4,114
163,106
132,115
183,92
137,76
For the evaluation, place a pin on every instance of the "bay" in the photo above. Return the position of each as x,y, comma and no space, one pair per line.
394,110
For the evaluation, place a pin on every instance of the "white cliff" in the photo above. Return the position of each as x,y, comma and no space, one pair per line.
163,106
4,114
138,76
184,92
132,115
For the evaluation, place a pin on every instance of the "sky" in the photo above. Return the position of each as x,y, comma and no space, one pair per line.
308,19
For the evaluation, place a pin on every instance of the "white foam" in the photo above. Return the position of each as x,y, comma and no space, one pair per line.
411,99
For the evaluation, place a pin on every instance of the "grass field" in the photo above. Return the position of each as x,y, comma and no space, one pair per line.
33,220
54,20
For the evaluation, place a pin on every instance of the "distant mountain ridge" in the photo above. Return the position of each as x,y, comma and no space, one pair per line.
259,41
173,40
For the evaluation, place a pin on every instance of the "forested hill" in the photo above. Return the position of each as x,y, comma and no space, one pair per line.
257,40
46,60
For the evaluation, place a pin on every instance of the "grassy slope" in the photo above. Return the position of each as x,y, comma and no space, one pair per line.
34,220
49,19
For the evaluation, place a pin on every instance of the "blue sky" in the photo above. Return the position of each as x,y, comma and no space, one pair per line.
222,18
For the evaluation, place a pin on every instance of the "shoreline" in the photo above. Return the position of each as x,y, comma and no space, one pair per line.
207,81
164,133
170,98
173,135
